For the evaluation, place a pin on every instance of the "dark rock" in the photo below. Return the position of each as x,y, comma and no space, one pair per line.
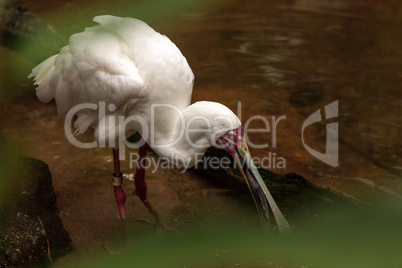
24,32
298,199
31,231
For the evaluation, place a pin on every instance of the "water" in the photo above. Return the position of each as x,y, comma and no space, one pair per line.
293,58
279,60
286,60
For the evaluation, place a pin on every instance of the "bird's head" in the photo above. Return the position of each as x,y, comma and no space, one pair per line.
213,124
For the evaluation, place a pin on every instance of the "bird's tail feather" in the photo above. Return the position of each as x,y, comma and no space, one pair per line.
42,74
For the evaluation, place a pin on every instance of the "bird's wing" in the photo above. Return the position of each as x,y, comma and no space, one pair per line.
97,66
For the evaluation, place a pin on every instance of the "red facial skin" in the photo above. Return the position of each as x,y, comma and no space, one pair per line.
231,140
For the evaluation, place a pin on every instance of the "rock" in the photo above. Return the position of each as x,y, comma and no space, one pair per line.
31,231
29,35
298,199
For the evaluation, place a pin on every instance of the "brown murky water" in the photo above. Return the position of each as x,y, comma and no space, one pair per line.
276,58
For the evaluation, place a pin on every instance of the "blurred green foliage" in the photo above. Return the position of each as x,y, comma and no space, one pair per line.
367,239
371,238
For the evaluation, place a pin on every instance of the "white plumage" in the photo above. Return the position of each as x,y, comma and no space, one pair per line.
146,84
123,61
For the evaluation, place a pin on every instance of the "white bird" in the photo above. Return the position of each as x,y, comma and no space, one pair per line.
146,84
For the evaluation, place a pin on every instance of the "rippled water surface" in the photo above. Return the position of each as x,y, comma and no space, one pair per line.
294,57
291,58
287,59
275,62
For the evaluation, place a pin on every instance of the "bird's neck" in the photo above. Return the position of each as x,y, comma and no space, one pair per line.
180,136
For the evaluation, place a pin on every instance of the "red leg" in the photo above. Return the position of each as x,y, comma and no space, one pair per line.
139,178
120,198
141,185
118,190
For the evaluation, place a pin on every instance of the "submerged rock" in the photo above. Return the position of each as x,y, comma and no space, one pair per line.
31,231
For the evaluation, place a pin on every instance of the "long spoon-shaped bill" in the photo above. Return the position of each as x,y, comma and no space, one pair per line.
262,197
